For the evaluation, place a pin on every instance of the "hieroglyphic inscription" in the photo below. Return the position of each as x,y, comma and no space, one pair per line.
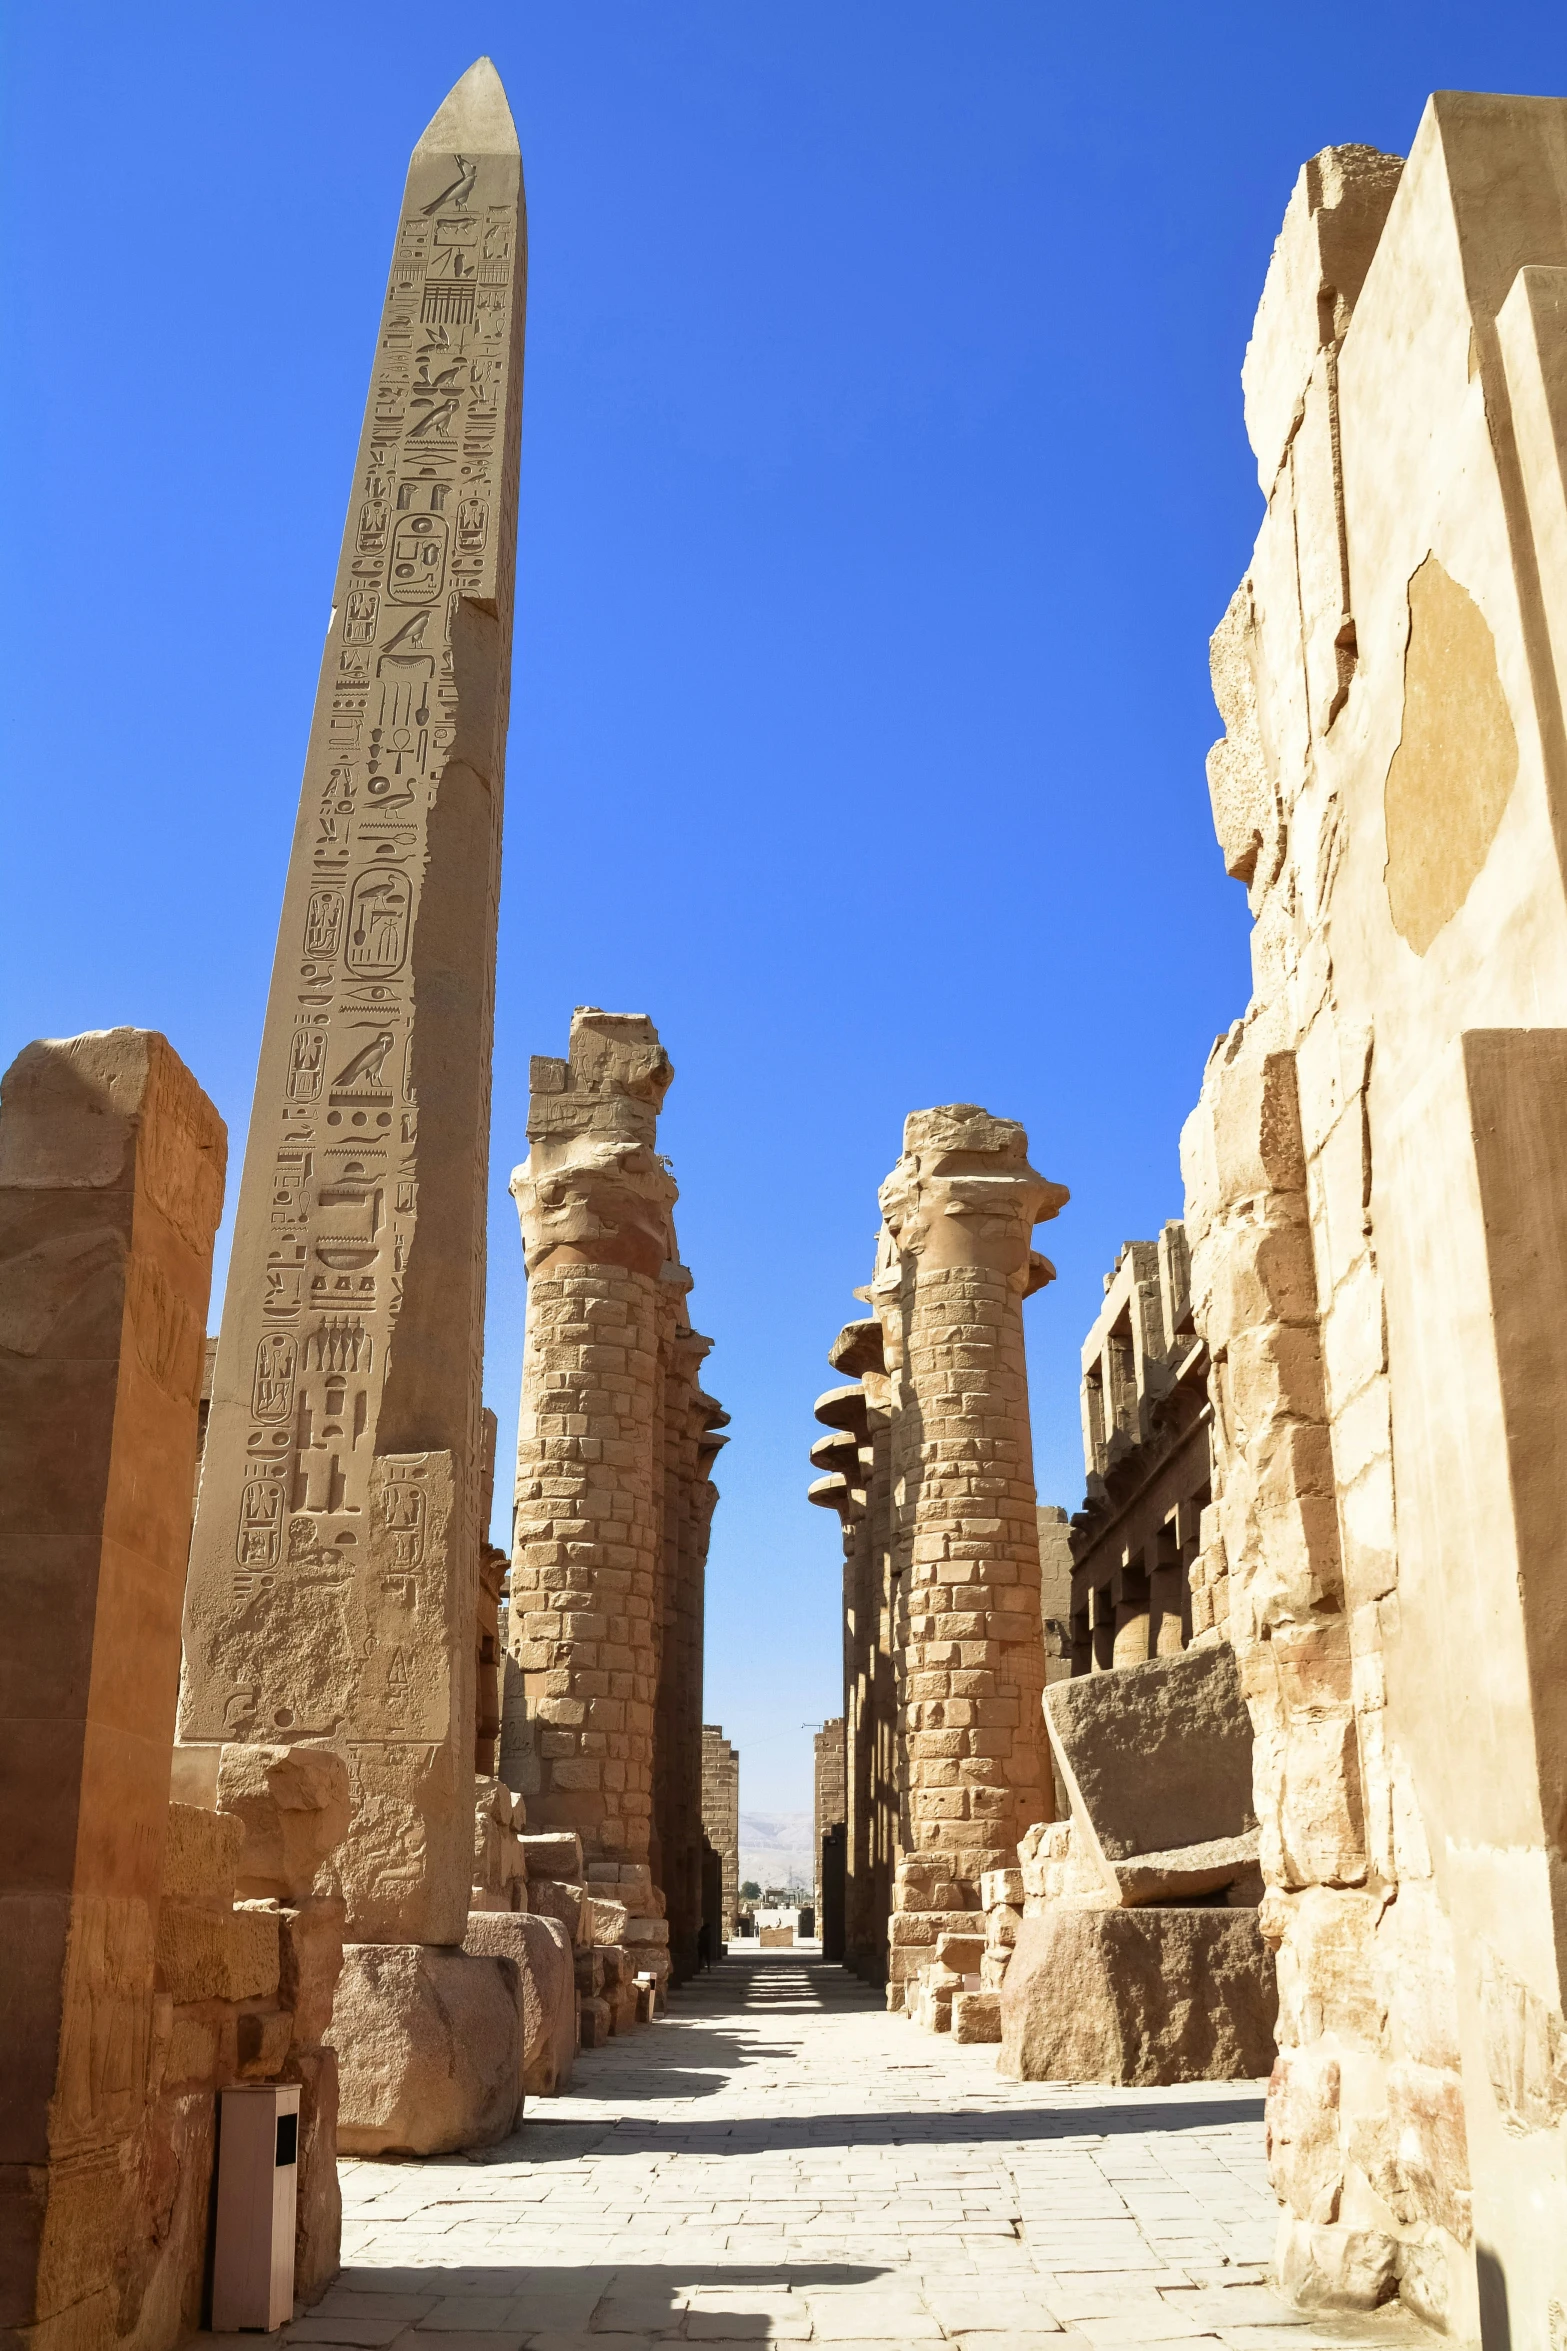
345,1120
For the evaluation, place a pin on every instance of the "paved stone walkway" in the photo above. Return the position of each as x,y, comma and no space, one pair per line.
782,2161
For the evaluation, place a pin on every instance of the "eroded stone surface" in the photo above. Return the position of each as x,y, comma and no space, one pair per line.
428,2044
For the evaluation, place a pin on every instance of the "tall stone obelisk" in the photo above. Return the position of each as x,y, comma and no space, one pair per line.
332,1581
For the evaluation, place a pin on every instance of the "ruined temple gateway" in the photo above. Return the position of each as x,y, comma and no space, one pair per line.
1259,1757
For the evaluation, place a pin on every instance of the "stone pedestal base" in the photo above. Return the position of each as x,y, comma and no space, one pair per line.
1138,1996
429,2049
541,1949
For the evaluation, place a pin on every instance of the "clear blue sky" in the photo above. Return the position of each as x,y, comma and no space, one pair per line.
883,478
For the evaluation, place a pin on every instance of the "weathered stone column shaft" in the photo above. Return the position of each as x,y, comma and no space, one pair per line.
586,1562
959,1209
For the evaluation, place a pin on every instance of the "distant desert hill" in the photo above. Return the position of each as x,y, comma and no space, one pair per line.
776,1849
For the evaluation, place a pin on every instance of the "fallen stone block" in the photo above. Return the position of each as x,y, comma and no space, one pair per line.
1141,1996
201,1853
593,2023
976,2016
547,1990
428,2045
1211,1868
1157,1755
206,1954
925,1927
557,1898
293,1805
553,1853
310,1961
587,1971
603,1922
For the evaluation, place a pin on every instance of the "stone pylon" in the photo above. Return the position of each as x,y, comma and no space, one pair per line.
333,1572
959,1208
588,1571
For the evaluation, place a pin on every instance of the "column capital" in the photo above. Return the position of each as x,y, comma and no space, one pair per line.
593,1190
963,1193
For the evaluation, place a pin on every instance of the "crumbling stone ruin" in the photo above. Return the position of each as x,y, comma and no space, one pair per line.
1257,1763
603,1725
1135,1953
930,1468
1373,1205
721,1826
1148,1462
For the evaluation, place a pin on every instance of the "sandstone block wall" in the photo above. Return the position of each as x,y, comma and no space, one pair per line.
1376,1209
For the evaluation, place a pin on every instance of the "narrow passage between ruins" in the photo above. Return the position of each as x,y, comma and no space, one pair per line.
785,2161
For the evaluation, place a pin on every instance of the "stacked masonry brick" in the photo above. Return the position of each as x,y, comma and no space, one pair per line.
976,1666
594,1201
587,1553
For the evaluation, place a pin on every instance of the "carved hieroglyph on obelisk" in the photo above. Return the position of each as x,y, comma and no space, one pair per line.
332,1590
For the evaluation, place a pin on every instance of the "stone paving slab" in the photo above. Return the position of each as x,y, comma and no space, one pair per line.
782,2162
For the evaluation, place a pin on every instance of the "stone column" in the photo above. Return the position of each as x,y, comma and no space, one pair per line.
595,1204
111,1185
870,1712
332,1588
959,1207
677,1782
721,1814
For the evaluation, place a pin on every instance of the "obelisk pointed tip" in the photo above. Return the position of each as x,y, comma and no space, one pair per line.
472,118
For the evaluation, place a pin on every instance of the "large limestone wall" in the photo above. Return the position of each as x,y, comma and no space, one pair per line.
1377,1207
